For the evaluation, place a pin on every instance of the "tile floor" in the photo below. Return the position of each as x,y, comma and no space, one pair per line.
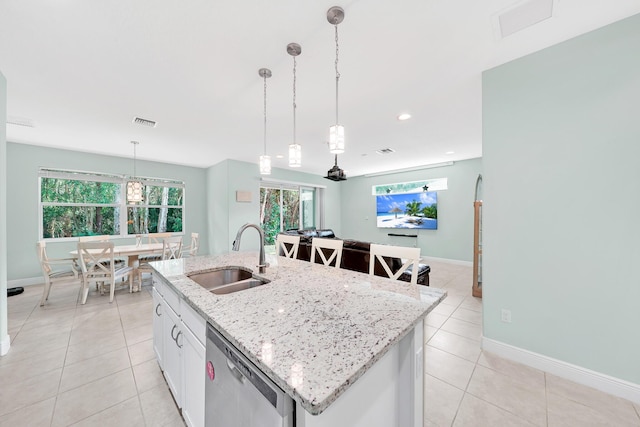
92,365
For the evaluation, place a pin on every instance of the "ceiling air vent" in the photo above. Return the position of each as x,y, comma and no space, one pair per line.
385,151
524,14
144,122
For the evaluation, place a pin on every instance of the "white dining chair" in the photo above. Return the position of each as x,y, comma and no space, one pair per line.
97,264
410,258
192,250
287,245
154,238
55,270
102,238
323,246
172,248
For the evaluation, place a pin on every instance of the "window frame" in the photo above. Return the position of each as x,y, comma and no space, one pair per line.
123,205
318,191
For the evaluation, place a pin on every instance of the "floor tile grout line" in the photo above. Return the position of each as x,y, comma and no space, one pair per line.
546,398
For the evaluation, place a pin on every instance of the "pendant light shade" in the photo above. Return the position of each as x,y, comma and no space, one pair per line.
265,165
336,139
295,155
265,160
335,15
134,186
295,149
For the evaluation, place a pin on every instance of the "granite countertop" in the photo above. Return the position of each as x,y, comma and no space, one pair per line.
313,330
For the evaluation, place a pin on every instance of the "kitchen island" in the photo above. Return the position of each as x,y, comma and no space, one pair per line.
346,346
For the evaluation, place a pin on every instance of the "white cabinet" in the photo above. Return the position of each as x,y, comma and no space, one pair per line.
172,358
158,327
179,336
194,363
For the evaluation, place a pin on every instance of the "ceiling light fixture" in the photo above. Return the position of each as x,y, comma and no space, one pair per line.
265,160
295,149
335,15
134,186
404,116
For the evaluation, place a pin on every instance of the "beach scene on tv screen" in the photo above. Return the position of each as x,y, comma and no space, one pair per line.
408,210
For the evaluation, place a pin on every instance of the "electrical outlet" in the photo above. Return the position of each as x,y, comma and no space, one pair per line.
506,315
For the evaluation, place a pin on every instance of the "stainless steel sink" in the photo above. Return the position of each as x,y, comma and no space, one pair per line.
227,280
238,286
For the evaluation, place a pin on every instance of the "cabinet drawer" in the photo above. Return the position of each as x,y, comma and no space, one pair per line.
172,298
194,321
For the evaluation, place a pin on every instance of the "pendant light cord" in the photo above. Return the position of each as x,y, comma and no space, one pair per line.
294,99
265,115
134,160
337,72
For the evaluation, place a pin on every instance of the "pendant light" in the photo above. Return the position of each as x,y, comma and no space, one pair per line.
295,149
134,186
265,160
335,15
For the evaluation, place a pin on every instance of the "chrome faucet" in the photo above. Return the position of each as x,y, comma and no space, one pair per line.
262,265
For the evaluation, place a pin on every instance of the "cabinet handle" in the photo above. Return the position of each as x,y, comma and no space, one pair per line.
172,331
157,307
176,339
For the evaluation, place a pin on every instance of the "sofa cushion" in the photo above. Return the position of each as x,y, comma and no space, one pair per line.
327,233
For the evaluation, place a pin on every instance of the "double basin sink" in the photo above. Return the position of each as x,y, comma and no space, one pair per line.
227,280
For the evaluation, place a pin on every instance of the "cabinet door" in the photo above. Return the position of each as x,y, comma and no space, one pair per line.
194,374
158,328
172,359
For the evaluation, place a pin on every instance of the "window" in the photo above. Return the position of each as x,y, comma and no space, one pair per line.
74,203
161,212
287,206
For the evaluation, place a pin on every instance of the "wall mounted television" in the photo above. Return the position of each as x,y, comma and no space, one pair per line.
408,210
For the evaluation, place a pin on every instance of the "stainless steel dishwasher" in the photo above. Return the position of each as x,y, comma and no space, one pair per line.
238,394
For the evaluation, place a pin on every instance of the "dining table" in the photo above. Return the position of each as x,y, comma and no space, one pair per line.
132,252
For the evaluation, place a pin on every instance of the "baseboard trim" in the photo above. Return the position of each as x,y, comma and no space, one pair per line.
4,345
447,261
578,374
28,281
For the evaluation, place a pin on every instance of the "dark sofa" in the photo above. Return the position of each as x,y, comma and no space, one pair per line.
355,255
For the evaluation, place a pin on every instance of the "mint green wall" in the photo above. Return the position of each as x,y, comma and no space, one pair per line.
218,207
4,338
454,237
227,215
561,152
22,198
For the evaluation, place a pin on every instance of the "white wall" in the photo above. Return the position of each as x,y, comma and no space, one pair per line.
561,153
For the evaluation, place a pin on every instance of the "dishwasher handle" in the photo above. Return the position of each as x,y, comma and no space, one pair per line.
236,372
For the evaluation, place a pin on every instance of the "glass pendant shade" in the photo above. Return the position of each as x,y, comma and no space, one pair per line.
295,155
336,139
265,165
134,192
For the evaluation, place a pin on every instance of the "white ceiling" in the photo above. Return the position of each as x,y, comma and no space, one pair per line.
81,70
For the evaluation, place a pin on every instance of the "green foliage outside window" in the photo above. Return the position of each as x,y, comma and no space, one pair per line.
271,210
72,208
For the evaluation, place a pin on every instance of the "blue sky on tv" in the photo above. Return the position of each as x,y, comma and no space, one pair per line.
386,202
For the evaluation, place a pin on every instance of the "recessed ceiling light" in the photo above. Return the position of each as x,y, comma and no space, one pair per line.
404,116
448,153
279,156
